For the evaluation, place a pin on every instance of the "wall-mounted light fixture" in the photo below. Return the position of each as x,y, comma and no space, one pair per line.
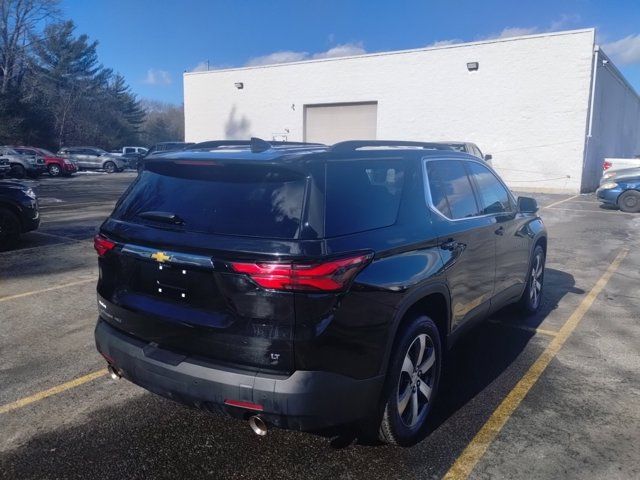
473,66
239,85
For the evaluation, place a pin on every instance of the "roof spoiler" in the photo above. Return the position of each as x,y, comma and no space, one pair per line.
353,145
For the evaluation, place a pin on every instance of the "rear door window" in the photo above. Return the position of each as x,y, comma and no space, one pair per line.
494,196
222,198
450,189
362,195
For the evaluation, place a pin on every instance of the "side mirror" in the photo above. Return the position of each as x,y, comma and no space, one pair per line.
527,205
488,157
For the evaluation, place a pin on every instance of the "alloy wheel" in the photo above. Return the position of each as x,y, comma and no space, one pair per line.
535,284
416,381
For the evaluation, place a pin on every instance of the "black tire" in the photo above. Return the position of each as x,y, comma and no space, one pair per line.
629,201
18,171
531,298
110,167
408,396
55,170
9,229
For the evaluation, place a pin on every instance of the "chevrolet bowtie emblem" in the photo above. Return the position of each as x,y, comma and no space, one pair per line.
161,257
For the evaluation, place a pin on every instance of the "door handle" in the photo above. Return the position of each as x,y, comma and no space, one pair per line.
449,244
500,231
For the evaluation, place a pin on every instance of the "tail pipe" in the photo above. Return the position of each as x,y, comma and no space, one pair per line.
258,425
113,372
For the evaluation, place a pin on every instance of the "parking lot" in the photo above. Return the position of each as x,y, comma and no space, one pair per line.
556,395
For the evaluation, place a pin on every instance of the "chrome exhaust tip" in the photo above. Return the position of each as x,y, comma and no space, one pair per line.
258,425
113,373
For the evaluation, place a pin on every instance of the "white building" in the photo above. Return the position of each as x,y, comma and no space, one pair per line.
548,107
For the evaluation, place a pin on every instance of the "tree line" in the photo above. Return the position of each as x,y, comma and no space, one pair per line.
54,91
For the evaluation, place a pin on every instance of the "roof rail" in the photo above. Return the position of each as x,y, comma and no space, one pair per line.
254,143
220,143
352,145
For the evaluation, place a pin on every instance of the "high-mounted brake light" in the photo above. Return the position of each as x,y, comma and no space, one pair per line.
607,165
330,276
102,244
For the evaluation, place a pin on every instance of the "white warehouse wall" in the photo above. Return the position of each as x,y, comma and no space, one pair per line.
527,105
615,126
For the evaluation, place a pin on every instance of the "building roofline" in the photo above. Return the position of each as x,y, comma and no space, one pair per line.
399,52
615,71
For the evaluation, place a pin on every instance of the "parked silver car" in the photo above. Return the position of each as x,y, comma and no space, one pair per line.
91,158
22,165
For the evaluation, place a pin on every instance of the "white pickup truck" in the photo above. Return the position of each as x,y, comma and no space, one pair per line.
613,164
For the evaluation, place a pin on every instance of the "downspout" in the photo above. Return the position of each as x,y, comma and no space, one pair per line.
596,56
592,95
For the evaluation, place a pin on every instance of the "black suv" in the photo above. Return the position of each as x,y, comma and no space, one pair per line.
18,212
310,286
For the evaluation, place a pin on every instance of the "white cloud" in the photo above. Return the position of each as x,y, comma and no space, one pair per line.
200,67
444,43
565,20
157,77
283,56
624,51
344,50
514,32
287,56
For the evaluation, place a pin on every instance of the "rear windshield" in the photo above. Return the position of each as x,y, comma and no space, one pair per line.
362,195
230,199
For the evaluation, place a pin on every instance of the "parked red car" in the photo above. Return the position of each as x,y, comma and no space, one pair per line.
56,166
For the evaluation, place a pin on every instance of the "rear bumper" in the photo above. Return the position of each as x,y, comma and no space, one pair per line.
305,400
609,195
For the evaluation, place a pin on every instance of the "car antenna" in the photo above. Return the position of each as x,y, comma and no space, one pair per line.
258,145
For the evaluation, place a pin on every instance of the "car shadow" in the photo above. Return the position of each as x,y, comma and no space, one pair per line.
148,436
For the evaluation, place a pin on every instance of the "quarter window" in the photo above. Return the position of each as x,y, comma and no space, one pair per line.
450,188
493,195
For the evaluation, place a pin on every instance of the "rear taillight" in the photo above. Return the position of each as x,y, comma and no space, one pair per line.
607,165
330,276
102,244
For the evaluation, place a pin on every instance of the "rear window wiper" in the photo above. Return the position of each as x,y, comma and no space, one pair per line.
164,217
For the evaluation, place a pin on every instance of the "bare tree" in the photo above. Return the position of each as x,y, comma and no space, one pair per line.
19,20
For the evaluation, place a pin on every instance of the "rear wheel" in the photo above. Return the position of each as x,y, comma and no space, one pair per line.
412,383
18,171
532,295
629,201
55,170
9,229
110,167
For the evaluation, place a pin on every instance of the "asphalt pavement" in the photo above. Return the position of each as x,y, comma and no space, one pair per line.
556,395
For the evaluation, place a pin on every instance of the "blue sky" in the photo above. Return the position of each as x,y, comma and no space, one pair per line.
152,42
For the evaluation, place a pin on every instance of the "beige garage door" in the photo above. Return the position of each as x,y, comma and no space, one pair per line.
337,122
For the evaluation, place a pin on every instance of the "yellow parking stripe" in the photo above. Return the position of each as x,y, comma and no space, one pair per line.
23,402
560,201
48,289
466,462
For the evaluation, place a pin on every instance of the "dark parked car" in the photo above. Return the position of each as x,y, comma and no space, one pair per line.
18,212
309,287
470,148
622,191
5,167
